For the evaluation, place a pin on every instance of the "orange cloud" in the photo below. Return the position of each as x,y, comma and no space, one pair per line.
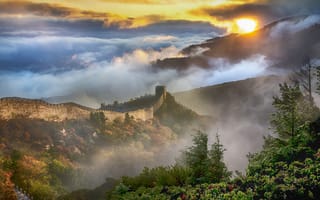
155,1
21,8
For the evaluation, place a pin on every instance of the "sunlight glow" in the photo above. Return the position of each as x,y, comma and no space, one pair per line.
246,25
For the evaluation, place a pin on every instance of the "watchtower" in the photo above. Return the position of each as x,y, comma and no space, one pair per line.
161,91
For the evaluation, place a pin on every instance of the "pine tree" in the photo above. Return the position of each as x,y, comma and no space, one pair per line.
197,158
286,118
206,166
318,79
303,77
218,170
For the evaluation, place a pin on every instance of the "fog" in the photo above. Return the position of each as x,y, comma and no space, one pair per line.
122,78
240,114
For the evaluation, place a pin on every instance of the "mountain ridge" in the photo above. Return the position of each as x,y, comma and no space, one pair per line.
273,41
12,107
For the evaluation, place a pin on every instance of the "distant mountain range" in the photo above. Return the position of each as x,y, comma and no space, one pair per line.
241,112
287,43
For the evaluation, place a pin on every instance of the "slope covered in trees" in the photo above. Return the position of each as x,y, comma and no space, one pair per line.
288,167
51,159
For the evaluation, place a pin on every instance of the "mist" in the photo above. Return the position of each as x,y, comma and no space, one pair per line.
122,78
240,114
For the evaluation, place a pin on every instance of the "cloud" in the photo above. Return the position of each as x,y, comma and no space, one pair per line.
292,27
153,1
280,42
230,12
132,72
60,53
43,9
265,11
21,9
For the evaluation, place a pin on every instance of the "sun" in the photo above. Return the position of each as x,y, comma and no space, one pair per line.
246,25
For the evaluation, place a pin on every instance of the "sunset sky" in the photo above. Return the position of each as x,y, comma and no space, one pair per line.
137,13
79,48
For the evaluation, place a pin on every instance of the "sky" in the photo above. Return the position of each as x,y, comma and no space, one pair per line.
101,50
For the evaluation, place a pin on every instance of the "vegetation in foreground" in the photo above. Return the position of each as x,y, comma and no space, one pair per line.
288,167
44,158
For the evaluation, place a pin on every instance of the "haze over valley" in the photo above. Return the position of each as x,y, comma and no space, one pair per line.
153,99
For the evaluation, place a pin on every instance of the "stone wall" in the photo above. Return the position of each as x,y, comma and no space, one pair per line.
142,114
158,103
37,109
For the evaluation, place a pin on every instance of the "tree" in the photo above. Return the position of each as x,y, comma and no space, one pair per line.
286,118
318,79
98,119
206,165
217,167
303,77
127,118
196,158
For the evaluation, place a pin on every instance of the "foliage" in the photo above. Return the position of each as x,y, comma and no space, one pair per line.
169,176
217,168
202,166
292,111
98,193
286,119
206,165
284,169
98,119
6,185
196,158
318,79
205,191
303,77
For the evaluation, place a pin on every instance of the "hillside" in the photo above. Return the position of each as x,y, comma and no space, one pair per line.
48,157
141,108
241,111
230,98
272,41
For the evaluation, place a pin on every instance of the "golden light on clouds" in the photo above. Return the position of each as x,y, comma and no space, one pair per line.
246,25
139,13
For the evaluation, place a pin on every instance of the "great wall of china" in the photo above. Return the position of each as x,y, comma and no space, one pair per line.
13,107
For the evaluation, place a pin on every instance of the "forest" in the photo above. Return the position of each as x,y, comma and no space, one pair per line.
288,167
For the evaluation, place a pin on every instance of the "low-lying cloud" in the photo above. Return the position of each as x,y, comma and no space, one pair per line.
123,77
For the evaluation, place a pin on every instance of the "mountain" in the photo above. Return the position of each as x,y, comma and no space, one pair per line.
231,97
286,43
51,149
241,112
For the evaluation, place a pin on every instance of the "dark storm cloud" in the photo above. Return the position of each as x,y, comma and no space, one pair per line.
45,9
21,8
285,43
230,12
266,11
46,40
182,27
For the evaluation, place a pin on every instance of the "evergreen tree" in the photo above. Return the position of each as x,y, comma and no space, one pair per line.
197,158
318,79
303,77
286,118
206,165
98,119
218,169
